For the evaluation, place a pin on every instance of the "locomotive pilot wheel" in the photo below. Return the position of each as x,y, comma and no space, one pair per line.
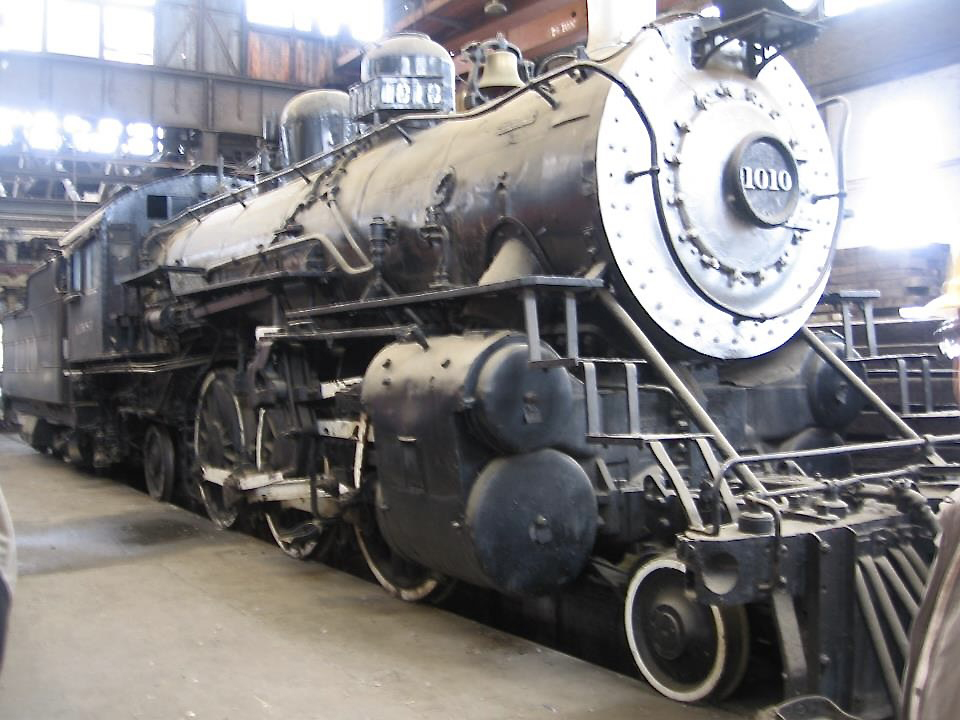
686,650
219,441
159,463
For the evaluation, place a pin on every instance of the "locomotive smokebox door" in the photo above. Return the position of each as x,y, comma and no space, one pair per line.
741,246
471,478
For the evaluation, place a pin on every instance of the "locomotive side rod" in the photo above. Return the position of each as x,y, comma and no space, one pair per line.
679,388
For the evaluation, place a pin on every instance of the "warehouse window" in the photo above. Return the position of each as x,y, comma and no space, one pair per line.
363,19
91,266
73,27
76,272
120,30
46,131
158,207
42,131
21,25
902,184
128,31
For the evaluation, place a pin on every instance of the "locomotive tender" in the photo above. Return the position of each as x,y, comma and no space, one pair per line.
557,338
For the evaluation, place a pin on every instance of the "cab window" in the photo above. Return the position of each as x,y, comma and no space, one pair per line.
76,272
91,266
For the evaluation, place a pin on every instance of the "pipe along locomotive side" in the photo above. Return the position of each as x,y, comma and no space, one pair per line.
557,337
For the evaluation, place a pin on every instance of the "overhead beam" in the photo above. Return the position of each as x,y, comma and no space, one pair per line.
7,175
42,216
537,30
139,93
908,37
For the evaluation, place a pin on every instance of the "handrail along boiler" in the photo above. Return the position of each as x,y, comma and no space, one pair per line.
555,339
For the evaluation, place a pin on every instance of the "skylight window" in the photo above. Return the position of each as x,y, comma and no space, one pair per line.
45,131
128,33
21,25
73,27
273,13
119,30
832,8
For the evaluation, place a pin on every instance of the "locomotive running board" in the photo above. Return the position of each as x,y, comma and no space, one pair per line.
545,282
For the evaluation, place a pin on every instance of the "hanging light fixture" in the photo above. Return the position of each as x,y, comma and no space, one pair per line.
495,8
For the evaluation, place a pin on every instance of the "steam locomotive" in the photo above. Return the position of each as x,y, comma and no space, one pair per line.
556,338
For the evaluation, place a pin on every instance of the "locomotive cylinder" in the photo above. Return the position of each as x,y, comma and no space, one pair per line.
470,480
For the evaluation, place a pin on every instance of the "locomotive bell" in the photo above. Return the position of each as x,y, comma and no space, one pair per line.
500,71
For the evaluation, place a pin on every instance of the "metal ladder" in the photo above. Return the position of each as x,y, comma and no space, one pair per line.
703,442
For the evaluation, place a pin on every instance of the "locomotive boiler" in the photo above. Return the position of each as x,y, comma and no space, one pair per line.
555,339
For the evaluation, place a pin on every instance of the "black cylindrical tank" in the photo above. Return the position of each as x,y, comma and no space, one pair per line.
470,480
314,122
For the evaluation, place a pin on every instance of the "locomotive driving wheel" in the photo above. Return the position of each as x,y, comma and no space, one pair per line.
400,577
219,443
159,463
686,650
293,529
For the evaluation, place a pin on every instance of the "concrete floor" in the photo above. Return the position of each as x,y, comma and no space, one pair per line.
126,608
